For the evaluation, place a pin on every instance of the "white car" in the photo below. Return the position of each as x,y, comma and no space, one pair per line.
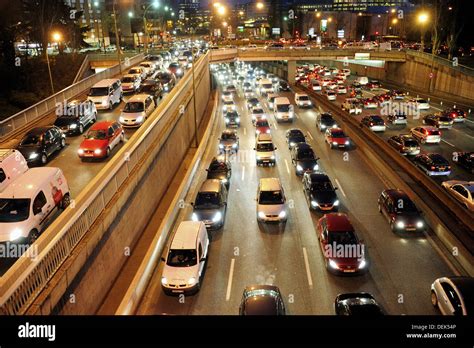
316,86
331,95
12,166
138,70
256,113
426,134
228,106
302,100
453,295
342,90
352,106
420,104
463,191
227,96
130,83
271,201
137,110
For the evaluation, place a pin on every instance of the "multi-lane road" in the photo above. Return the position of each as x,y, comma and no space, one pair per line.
401,269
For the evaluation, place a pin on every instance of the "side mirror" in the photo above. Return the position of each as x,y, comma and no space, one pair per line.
163,259
317,158
207,170
192,204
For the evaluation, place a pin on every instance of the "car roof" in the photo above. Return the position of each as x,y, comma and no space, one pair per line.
27,185
105,83
302,146
397,194
338,222
186,235
138,98
264,137
210,185
129,75
102,125
270,184
39,130
318,176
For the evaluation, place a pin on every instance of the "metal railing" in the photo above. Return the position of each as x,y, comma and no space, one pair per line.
23,119
25,280
441,61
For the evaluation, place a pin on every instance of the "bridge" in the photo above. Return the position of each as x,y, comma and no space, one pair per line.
125,209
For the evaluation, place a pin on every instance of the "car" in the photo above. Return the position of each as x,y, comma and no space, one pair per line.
397,118
374,123
220,168
373,84
330,95
167,80
456,114
149,67
352,106
271,201
231,89
304,159
228,142
12,166
101,139
465,160
405,144
433,164
462,191
228,106
262,300
341,90
227,96
185,259
232,119
138,71
76,115
152,88
130,83
370,103
453,295
438,121
253,103
420,104
283,86
383,99
210,205
302,100
294,136
106,93
336,137
257,113
426,134
136,111
397,94
325,121
265,150
343,251
262,126
176,69
360,304
346,72
316,86
320,192
400,211
40,143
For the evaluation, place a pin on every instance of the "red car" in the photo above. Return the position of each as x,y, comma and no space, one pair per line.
342,250
370,103
262,127
101,139
336,137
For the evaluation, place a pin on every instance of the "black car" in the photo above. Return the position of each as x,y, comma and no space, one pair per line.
232,119
76,116
405,144
283,86
325,121
220,169
303,158
167,80
262,300
433,164
465,160
153,88
252,102
359,304
295,136
438,121
457,115
40,143
400,211
320,192
397,118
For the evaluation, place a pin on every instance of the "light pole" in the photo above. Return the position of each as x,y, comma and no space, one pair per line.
422,19
196,139
155,5
221,11
56,38
117,42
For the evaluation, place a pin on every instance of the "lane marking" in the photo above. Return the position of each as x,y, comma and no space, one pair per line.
308,271
444,141
243,173
245,131
467,120
229,282
287,167
460,131
275,125
340,187
310,136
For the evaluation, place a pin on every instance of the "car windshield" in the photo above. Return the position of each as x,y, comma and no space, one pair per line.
32,140
326,118
218,167
14,210
445,119
303,97
228,136
98,91
257,111
207,200
262,123
264,147
405,206
305,154
422,101
338,134
346,237
377,120
228,102
267,85
253,101
98,134
270,197
128,79
133,107
439,160
147,88
322,186
283,108
182,258
135,71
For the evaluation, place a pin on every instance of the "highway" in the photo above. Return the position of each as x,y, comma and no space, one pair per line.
401,270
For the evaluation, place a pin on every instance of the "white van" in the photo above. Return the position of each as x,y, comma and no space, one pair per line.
186,258
137,110
30,202
271,201
363,80
106,93
12,166
265,86
284,111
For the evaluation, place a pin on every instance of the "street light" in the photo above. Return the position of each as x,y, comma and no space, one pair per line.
156,5
221,10
394,21
130,14
56,38
260,5
422,19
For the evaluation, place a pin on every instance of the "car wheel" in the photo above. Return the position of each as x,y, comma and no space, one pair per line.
107,154
65,201
81,129
63,143
44,158
122,138
434,299
33,236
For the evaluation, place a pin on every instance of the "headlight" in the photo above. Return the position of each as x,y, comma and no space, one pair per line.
139,119
104,102
362,264
267,131
15,234
226,120
194,217
333,264
73,126
166,88
261,215
224,181
314,204
192,281
97,151
347,142
272,157
221,146
420,224
234,146
334,126
323,126
179,71
316,167
299,168
282,214
400,224
33,155
292,144
121,119
217,217
237,120
257,131
164,281
233,107
80,151
334,143
336,203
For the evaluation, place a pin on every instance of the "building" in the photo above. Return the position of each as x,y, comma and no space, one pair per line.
93,18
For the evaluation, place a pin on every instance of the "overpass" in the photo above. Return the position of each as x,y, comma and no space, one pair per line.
85,242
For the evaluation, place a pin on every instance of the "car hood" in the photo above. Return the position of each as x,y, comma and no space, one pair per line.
265,154
180,275
228,142
408,219
127,84
217,175
8,227
339,140
27,150
270,209
132,115
65,121
93,144
326,197
206,214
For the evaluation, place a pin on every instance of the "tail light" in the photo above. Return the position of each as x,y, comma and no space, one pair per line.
433,167
449,167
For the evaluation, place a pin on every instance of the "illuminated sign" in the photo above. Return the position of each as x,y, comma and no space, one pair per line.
362,56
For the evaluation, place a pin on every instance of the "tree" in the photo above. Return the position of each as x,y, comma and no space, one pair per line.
454,30
437,33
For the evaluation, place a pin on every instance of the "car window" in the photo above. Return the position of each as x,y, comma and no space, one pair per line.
200,250
453,298
461,190
110,131
2,176
38,203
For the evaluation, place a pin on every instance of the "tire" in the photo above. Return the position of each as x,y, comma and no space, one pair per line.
81,129
33,236
44,158
63,143
122,138
107,154
65,201
434,299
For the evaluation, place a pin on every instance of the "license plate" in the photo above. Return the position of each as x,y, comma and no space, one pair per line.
349,270
89,155
411,229
177,291
342,145
442,168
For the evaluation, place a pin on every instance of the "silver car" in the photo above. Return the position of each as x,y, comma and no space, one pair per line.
453,295
210,205
271,201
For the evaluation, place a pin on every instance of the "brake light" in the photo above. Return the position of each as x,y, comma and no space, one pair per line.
433,167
